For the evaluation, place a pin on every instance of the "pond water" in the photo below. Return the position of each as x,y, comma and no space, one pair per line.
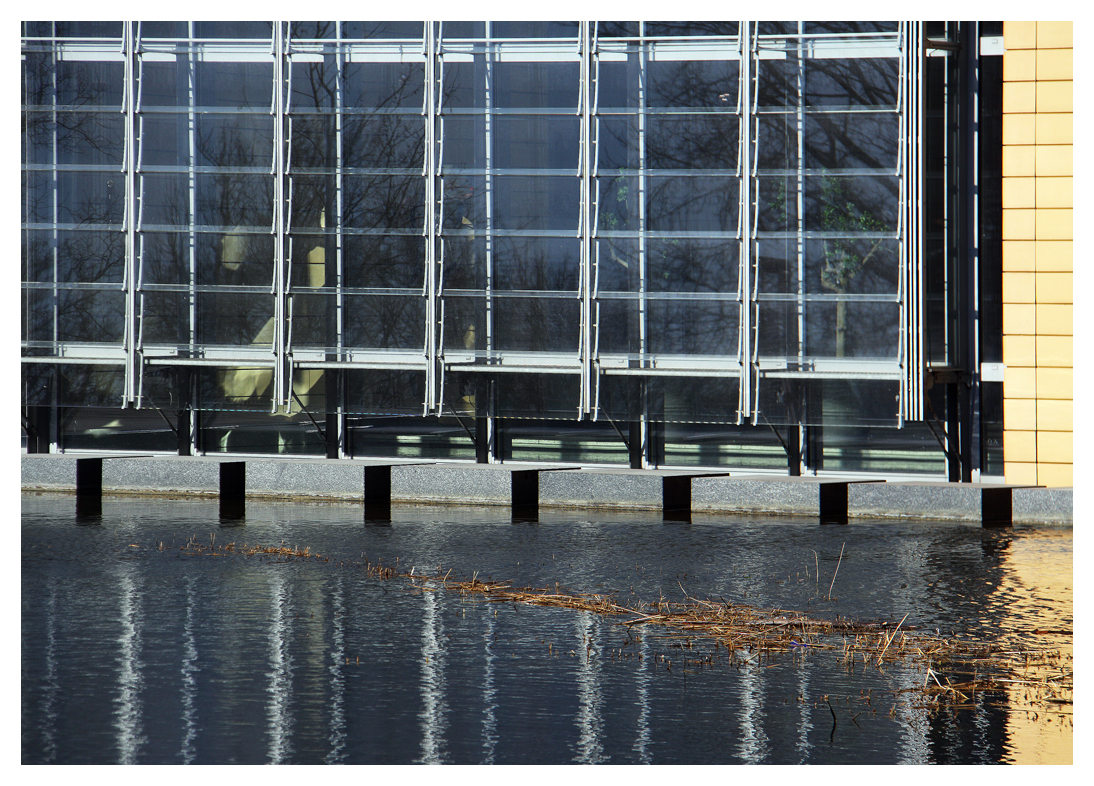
137,650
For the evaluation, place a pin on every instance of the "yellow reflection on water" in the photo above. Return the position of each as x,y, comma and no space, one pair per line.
1037,590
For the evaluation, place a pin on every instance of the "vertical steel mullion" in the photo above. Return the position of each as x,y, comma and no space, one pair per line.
191,187
745,164
585,218
433,64
280,382
800,195
129,168
488,250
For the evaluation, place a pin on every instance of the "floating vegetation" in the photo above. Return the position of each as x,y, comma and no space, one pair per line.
955,668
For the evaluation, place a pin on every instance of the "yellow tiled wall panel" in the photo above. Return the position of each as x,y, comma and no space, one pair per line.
1020,351
1052,475
1020,35
1019,288
1049,351
1052,223
1053,288
1053,416
1053,35
1054,319
1053,64
1038,253
1052,255
1053,383
1020,473
1052,160
1048,192
1019,255
1019,383
1020,445
1054,447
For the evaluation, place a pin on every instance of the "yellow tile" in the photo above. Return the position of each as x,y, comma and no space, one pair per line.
1053,383
1053,319
1020,161
1054,35
1054,223
1019,97
1020,129
1020,35
1051,64
1019,445
1054,447
1054,160
1019,255
1053,255
1054,475
1053,416
1019,191
1051,350
1019,224
1053,287
1019,383
1024,474
1050,191
1019,287
1019,414
1020,351
1055,128
1052,97
1019,319
1019,65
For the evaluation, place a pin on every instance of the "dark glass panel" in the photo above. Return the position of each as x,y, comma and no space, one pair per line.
79,138
384,321
673,327
234,389
238,85
231,200
464,141
854,26
236,258
314,29
164,83
165,257
384,261
66,256
536,324
383,141
691,204
91,315
237,319
384,202
384,85
867,81
843,329
464,324
463,29
159,29
864,266
464,261
616,29
534,29
831,402
545,263
667,29
537,85
75,385
672,142
671,265
851,204
86,83
225,29
693,83
226,141
554,396
383,30
670,399
385,392
90,197
165,318
114,429
536,141
531,203
83,29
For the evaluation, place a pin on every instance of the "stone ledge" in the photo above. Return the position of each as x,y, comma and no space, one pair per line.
780,494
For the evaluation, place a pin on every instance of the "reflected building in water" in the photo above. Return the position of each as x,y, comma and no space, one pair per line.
725,244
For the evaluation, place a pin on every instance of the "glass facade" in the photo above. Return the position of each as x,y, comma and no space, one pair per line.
668,239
